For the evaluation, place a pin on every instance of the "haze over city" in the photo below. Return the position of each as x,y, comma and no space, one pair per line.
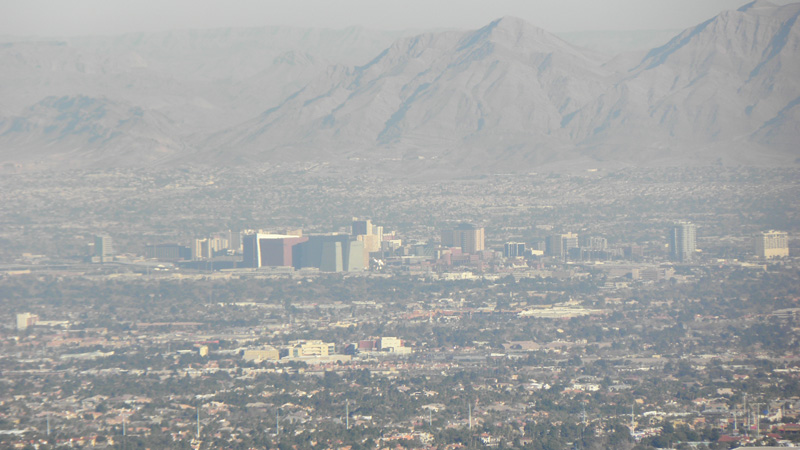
363,225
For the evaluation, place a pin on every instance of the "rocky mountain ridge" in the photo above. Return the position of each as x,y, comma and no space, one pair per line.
508,96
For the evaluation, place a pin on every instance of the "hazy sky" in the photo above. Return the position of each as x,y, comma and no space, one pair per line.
82,17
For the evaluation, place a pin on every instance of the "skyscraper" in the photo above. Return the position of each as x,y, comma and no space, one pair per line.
371,235
330,253
361,227
514,249
469,237
25,320
682,241
264,250
771,244
558,245
103,248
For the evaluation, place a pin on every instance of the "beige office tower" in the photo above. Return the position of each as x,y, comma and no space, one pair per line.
372,242
217,243
771,244
371,235
466,236
201,248
25,320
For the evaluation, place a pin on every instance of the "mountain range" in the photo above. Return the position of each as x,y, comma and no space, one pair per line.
506,97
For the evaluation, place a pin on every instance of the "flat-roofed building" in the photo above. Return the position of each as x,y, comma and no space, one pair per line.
371,235
683,241
469,238
331,253
559,245
267,353
270,250
25,320
167,252
514,249
390,342
361,227
103,248
771,244
201,249
311,348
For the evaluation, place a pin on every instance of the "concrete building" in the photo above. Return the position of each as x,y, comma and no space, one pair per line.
356,257
372,242
771,244
393,345
594,243
361,227
25,320
314,348
387,343
234,240
218,243
682,241
332,257
367,346
469,238
103,248
371,235
267,353
167,252
330,253
514,249
559,245
270,250
278,251
201,249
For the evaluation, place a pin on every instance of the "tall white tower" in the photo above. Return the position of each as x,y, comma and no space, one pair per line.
683,241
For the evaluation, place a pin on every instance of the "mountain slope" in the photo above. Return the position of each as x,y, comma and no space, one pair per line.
727,88
89,130
508,96
718,82
508,81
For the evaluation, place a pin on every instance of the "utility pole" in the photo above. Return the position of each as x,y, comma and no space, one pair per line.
347,414
470,416
746,417
583,419
278,422
758,428
198,423
632,426
124,432
48,424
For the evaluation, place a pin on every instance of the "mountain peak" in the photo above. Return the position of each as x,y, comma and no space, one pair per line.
512,26
757,4
510,23
507,31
